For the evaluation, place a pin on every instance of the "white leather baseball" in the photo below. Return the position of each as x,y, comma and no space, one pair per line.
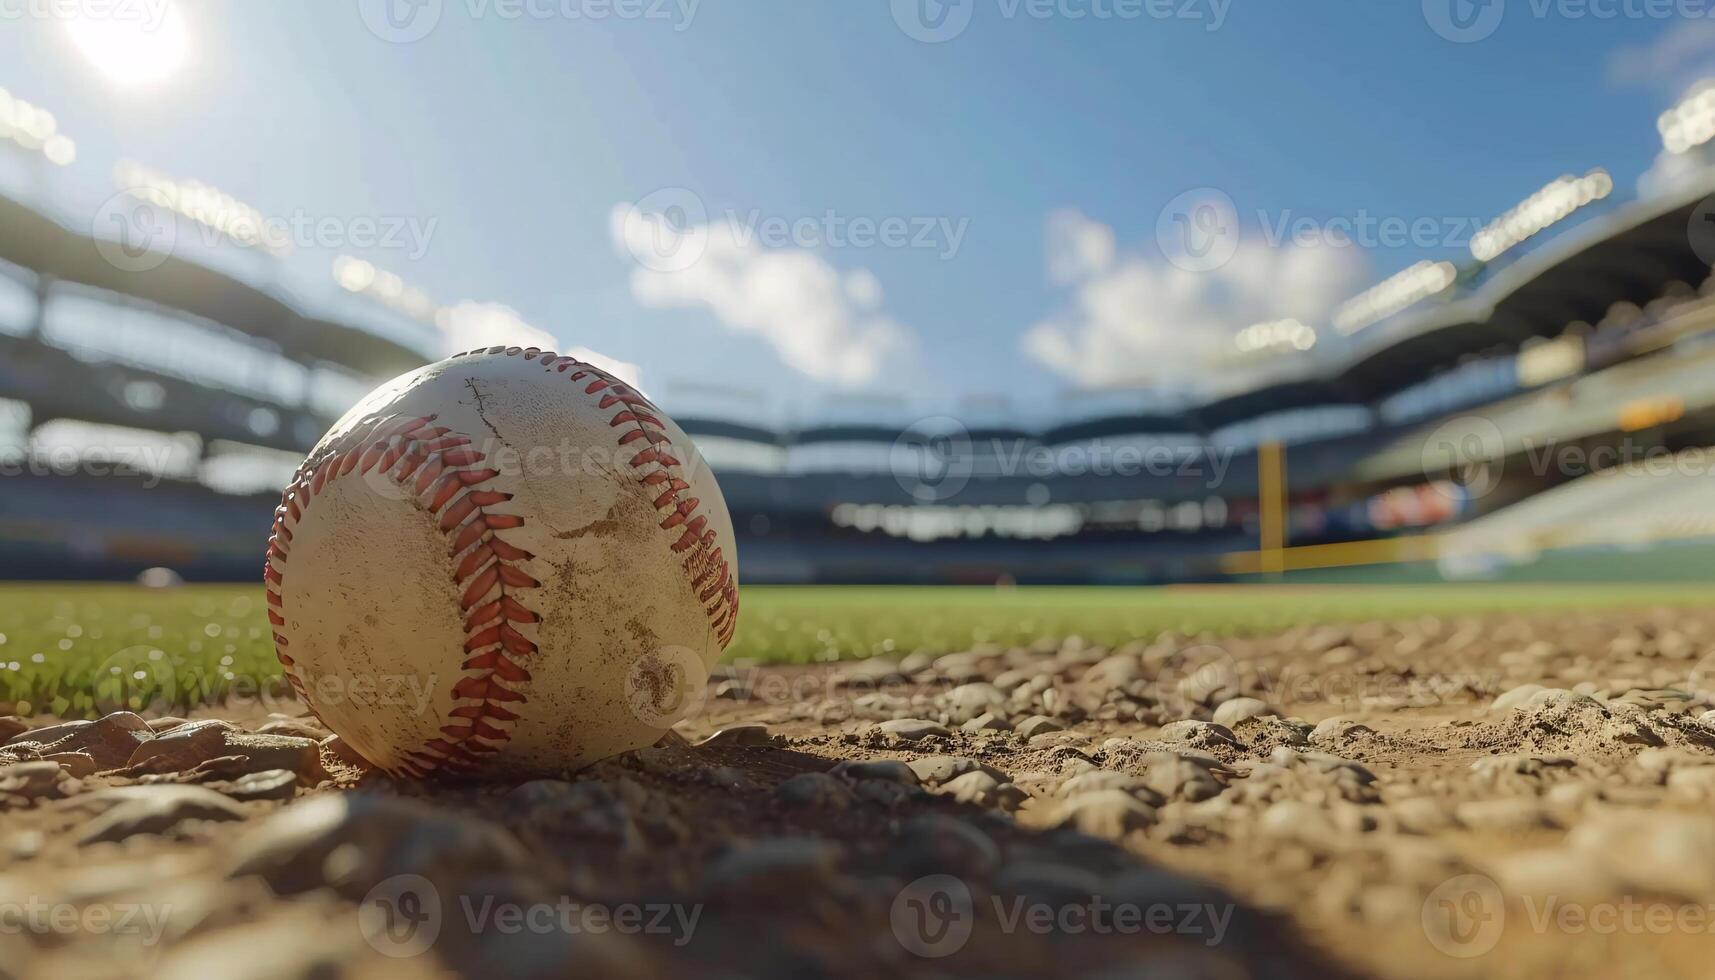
502,565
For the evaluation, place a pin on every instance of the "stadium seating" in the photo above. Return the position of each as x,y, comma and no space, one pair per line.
1599,333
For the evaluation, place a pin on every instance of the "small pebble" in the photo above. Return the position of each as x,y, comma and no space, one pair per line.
912,729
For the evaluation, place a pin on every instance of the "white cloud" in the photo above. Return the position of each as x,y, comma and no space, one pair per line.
1077,247
1138,320
826,324
625,371
469,325
1671,171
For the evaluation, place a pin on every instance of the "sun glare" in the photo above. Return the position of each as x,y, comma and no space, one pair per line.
131,44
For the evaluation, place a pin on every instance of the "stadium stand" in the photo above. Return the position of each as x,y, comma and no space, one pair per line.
1582,318
1652,519
1664,496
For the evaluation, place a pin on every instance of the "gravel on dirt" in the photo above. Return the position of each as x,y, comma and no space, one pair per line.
1395,799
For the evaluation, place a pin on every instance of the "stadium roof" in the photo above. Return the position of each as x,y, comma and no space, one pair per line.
1630,253
58,385
42,244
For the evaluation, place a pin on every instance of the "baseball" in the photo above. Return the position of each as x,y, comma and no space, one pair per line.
505,564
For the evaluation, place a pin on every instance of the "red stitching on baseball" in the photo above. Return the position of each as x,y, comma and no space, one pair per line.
705,563
441,470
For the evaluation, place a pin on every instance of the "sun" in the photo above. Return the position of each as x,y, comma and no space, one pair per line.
132,44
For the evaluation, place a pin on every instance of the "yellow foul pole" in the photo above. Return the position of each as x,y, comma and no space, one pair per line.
1271,506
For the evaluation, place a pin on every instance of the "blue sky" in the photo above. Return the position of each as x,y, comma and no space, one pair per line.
521,134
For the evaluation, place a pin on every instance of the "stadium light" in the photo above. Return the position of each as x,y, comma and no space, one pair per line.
34,129
1275,335
358,276
1551,204
207,206
1691,123
1421,281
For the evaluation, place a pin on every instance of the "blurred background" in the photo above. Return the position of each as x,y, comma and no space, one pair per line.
1064,292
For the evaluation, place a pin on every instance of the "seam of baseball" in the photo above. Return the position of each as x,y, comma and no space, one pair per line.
444,472
702,558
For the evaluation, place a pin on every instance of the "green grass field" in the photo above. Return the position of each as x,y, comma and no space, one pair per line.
82,649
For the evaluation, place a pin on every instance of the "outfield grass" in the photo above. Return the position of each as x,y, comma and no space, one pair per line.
83,649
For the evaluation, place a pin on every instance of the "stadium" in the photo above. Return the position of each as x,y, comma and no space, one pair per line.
1383,647
1436,444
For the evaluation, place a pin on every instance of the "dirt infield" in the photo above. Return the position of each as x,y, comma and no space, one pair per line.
1522,796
